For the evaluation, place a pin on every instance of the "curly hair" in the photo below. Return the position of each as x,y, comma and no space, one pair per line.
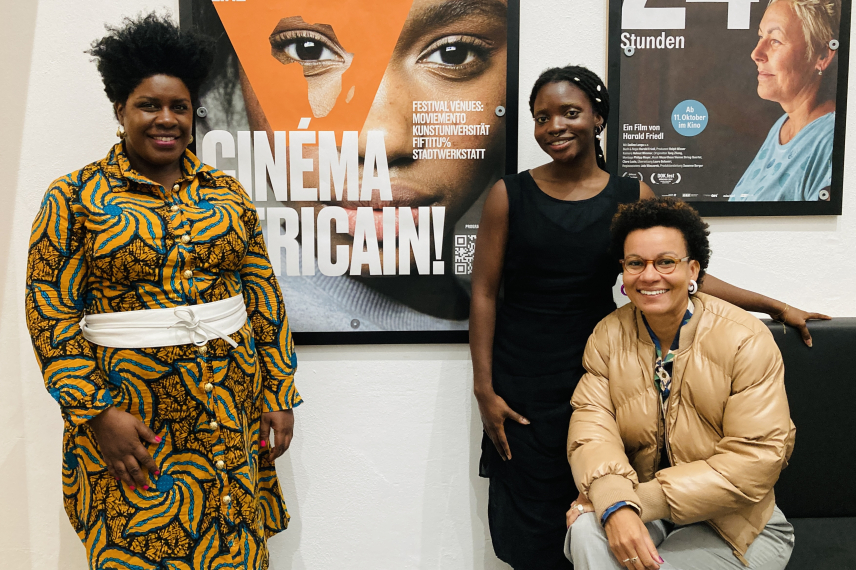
668,213
150,45
589,83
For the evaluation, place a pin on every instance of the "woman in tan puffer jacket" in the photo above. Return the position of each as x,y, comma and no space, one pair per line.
689,439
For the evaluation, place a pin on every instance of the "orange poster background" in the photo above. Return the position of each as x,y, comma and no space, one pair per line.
367,28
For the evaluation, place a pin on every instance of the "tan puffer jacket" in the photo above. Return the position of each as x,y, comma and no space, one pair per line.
727,427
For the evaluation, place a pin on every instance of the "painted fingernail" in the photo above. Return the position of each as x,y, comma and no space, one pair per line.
661,559
145,487
158,438
263,443
132,487
157,472
809,343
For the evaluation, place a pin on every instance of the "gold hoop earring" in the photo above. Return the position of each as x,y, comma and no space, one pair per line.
191,140
120,132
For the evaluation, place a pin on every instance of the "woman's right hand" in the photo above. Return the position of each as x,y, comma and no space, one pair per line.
119,436
630,542
494,411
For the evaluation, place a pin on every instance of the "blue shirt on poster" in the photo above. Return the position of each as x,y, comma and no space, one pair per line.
793,172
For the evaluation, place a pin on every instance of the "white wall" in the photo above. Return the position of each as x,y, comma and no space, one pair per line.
382,471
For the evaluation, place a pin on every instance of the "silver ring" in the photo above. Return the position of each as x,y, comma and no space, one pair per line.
634,559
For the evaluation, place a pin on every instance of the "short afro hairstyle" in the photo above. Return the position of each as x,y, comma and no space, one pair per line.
668,213
150,45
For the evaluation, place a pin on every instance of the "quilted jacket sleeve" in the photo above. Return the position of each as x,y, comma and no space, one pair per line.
595,449
757,440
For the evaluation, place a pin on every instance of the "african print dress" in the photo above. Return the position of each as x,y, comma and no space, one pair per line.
105,240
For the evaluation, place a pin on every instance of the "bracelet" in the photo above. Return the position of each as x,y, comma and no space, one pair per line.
781,315
780,318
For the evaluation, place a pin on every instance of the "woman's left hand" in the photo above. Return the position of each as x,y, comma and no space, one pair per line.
630,542
797,318
750,301
574,512
282,423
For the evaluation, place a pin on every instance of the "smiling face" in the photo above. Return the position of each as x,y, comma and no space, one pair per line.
784,70
447,51
158,121
654,293
565,122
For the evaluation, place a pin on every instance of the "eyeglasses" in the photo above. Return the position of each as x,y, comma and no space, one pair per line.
663,264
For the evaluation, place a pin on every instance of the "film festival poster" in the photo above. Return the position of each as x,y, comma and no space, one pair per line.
367,134
737,106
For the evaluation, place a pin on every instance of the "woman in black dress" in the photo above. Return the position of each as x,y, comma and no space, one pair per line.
544,235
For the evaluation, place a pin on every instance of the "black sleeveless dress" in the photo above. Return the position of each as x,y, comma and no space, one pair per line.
557,285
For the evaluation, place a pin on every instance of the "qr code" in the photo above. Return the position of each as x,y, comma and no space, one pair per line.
465,246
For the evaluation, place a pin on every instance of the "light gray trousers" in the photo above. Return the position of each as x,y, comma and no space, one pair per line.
691,547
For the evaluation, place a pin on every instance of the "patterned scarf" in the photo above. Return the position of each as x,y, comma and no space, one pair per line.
663,366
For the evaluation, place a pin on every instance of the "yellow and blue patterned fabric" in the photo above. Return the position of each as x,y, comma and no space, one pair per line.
107,239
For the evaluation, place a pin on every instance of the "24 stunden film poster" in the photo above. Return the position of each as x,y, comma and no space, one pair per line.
737,106
367,134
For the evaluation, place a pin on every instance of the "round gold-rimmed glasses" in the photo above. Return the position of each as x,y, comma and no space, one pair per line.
664,264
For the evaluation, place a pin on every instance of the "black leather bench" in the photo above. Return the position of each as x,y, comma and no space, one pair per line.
817,491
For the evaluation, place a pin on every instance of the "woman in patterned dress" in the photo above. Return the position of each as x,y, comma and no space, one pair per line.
167,452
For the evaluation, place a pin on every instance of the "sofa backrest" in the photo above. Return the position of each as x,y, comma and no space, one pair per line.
820,480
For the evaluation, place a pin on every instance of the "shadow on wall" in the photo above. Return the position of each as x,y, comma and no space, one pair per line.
382,471
17,32
439,520
288,559
14,504
72,554
480,493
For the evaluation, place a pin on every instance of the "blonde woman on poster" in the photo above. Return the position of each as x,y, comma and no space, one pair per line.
794,55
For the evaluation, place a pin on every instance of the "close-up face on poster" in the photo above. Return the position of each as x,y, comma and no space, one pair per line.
367,134
736,106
